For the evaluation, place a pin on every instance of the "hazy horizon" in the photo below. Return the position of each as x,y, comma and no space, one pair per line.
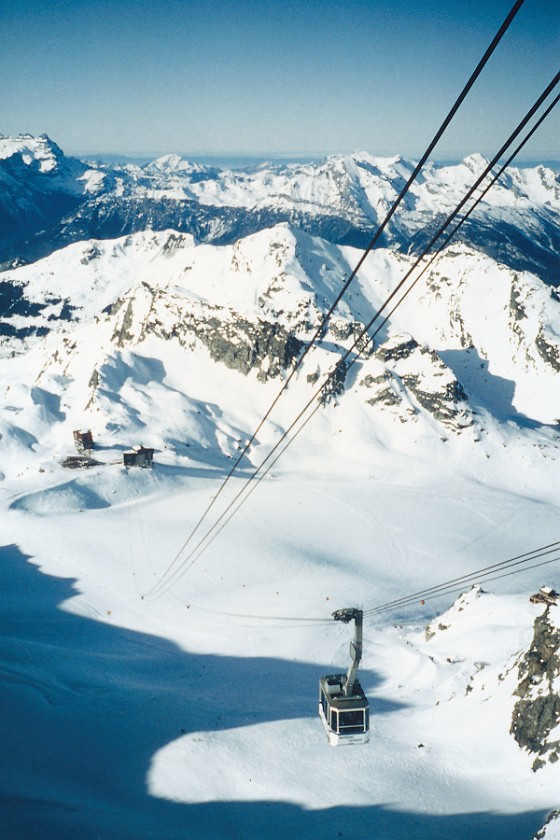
248,159
304,80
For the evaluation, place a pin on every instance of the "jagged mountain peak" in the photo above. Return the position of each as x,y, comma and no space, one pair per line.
248,309
475,162
43,161
341,198
166,162
385,166
174,165
41,150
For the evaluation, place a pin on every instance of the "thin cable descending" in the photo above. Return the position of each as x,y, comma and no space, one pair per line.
486,580
479,574
466,216
326,317
485,574
328,314
165,581
255,617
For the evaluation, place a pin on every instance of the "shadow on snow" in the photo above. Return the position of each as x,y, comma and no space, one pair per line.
489,391
86,706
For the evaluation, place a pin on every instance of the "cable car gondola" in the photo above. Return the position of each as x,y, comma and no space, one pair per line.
343,706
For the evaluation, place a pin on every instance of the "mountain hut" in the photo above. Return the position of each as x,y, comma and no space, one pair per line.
83,441
545,595
139,456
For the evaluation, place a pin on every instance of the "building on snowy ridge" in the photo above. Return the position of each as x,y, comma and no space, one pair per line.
83,441
545,595
139,456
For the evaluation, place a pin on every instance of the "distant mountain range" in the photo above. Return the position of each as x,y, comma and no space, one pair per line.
211,313
48,200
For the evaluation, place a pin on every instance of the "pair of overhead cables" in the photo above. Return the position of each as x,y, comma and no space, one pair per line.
490,184
515,565
319,332
173,574
505,568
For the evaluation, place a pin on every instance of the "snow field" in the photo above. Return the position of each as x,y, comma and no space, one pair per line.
242,724
137,716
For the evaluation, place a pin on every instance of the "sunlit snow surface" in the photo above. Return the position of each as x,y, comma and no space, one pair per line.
193,714
117,702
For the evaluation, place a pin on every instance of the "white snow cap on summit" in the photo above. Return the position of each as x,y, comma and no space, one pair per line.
40,149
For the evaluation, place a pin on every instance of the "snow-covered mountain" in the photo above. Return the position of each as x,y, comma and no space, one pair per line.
454,362
48,201
551,829
191,711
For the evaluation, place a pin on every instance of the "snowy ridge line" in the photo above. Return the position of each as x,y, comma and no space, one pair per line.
165,583
446,241
513,136
455,586
325,319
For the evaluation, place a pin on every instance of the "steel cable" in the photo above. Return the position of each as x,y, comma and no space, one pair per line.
466,579
326,317
208,539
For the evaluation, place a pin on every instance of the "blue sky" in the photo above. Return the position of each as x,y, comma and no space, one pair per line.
286,77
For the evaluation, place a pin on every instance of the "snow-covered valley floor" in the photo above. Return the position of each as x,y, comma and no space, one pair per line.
183,716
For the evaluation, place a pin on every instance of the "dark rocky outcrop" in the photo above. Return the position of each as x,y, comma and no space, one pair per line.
430,384
548,349
550,825
334,387
385,392
401,350
244,345
445,404
537,712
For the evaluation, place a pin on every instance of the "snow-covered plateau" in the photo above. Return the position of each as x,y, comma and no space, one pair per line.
155,691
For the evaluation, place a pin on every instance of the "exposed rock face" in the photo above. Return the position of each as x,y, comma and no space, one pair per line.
16,303
236,341
411,376
400,350
537,713
335,385
245,345
516,307
551,828
446,404
549,348
384,392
